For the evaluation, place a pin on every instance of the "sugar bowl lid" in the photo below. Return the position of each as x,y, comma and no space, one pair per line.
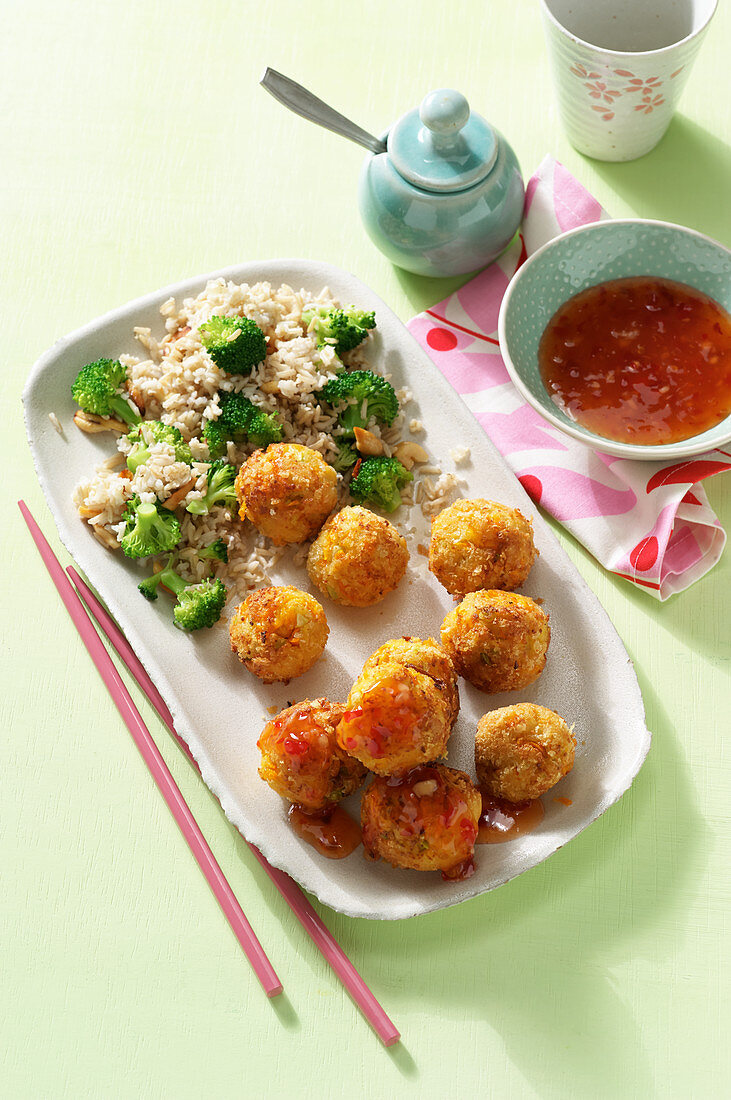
441,145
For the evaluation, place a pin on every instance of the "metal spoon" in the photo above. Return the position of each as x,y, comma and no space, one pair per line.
304,103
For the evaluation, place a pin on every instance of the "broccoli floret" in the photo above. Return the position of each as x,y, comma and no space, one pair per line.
214,434
197,605
344,328
148,587
97,390
362,389
240,420
150,530
215,551
219,490
378,481
235,344
150,432
345,458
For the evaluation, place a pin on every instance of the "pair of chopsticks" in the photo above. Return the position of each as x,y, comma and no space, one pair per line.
180,810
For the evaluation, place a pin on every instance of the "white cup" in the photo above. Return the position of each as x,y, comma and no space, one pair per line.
619,67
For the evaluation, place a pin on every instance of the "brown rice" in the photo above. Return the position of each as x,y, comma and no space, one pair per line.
177,382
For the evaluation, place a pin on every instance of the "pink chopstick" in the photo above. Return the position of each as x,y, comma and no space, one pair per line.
166,784
290,891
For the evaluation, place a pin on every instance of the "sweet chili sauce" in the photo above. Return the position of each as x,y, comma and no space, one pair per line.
641,360
501,820
332,832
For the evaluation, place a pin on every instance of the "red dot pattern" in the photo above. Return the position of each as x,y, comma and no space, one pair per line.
441,339
532,486
644,555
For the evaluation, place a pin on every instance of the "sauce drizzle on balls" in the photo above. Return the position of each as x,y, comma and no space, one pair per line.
640,360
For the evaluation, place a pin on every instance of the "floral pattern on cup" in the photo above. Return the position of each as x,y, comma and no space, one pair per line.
648,89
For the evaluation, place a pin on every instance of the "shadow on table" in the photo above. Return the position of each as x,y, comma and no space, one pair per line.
424,291
535,959
684,179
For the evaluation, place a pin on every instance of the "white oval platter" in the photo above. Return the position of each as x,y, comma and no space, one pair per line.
219,708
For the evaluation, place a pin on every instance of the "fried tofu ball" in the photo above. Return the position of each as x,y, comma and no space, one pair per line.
478,544
522,751
426,819
301,759
427,656
278,633
395,718
287,491
358,558
497,640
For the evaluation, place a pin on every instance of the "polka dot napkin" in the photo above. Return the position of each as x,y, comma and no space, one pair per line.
647,522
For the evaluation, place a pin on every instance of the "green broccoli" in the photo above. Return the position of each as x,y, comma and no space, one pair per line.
378,481
367,394
240,420
197,605
98,387
150,432
345,458
235,344
219,490
150,530
344,328
215,551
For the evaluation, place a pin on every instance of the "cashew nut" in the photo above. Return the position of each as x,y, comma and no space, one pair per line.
106,538
91,423
408,452
367,443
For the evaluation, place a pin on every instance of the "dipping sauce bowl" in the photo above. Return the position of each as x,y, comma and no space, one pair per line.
587,257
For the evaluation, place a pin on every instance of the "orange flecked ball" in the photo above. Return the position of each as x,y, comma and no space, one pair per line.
522,751
427,656
301,759
287,491
480,544
395,718
278,632
497,640
358,558
426,819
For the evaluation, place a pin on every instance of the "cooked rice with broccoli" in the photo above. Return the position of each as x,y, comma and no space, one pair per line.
239,368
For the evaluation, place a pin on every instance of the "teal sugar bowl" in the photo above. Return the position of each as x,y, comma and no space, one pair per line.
447,195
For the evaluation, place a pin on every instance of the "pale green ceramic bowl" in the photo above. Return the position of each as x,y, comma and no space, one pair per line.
582,258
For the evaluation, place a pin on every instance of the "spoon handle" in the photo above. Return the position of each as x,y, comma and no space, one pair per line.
304,103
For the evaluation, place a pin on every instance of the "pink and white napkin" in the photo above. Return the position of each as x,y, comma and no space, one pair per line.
647,522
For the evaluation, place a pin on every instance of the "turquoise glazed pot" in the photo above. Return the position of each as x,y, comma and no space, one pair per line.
447,195
585,257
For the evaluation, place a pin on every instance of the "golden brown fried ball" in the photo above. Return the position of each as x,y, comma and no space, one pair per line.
301,760
395,718
522,751
287,491
497,640
358,558
427,656
426,819
278,633
478,544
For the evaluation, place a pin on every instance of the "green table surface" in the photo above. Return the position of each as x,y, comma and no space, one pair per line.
138,149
